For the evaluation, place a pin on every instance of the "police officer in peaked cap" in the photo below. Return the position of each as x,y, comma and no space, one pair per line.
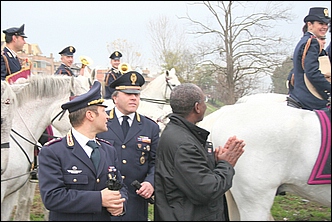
319,14
92,97
112,74
10,62
129,82
317,95
67,59
136,146
15,31
116,55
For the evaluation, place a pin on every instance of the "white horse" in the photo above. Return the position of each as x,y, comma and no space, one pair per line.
263,98
8,104
282,145
155,98
35,105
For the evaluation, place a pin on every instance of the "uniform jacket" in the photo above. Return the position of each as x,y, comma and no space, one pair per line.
328,51
64,70
67,176
189,184
110,76
300,92
13,63
136,154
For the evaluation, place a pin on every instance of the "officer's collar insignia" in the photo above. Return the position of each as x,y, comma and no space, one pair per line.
70,140
138,117
74,170
9,54
111,114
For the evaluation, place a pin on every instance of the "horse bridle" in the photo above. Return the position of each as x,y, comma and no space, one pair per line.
161,101
33,164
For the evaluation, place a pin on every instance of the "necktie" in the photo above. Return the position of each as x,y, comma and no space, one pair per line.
95,155
125,125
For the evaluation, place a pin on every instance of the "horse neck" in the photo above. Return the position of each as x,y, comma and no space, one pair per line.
156,89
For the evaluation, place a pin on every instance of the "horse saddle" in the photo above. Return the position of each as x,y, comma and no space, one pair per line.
321,172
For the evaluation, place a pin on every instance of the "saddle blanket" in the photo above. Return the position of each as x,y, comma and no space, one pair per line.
321,173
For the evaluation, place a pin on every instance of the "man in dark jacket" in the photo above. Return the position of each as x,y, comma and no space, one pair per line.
190,178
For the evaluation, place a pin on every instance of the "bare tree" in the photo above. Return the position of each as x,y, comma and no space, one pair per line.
170,48
130,53
242,45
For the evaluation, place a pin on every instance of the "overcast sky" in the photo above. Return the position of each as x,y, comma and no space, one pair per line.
90,25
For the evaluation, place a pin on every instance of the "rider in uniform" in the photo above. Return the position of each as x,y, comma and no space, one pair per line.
112,74
67,59
10,62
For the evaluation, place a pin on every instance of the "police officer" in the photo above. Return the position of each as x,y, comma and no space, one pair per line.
10,62
112,74
67,59
74,174
300,96
137,149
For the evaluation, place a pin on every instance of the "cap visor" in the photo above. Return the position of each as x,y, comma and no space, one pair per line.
131,91
102,105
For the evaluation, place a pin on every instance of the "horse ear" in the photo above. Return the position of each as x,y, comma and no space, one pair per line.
172,72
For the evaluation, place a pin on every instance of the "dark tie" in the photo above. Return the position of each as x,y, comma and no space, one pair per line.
125,125
95,155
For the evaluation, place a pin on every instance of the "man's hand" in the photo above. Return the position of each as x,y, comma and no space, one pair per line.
111,199
231,152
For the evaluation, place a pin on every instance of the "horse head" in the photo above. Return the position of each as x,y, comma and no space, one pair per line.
8,103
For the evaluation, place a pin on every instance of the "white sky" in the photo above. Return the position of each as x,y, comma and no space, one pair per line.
90,25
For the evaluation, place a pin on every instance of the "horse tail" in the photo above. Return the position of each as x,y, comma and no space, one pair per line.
233,211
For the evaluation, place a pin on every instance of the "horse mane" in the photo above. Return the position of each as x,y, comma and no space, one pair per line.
49,86
7,92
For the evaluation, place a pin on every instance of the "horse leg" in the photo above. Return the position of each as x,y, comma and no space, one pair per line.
25,201
254,205
46,213
4,159
7,206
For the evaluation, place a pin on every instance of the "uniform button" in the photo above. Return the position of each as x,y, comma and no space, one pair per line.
98,180
75,180
123,146
123,177
124,161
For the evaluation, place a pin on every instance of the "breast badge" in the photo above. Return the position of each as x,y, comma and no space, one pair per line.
142,160
74,170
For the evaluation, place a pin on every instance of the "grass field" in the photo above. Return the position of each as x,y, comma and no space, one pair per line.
285,208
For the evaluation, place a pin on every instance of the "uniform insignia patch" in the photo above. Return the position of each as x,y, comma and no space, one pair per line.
105,141
53,141
74,170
